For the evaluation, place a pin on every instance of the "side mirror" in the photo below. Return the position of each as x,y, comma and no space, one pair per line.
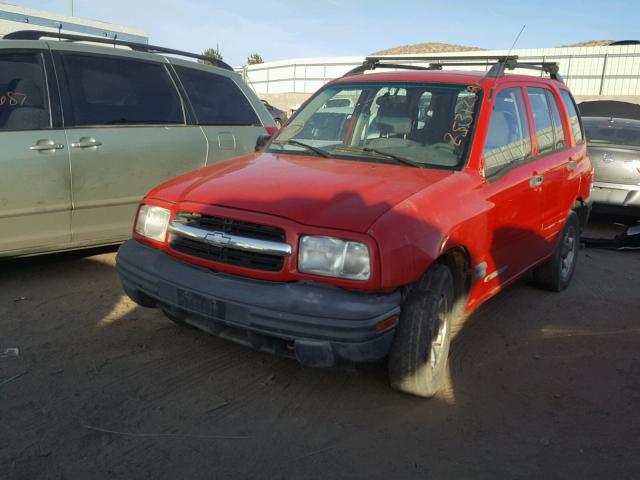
261,141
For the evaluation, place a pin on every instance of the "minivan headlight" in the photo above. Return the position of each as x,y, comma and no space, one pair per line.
153,222
333,257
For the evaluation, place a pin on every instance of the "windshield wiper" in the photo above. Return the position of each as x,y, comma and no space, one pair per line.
392,156
319,151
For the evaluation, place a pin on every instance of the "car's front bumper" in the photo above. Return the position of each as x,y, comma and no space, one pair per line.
616,194
319,324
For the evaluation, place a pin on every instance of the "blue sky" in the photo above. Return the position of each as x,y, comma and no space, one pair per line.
280,30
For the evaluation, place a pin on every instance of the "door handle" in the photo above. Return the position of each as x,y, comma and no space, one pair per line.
86,142
46,146
536,181
572,165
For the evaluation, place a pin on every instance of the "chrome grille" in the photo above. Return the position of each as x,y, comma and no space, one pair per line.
230,241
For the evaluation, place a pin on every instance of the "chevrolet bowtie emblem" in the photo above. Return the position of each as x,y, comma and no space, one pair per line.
217,238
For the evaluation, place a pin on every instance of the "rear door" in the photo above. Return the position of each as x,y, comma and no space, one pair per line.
578,158
552,161
231,118
35,197
513,191
128,132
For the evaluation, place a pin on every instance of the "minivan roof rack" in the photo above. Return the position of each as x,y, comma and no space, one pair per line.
498,64
140,47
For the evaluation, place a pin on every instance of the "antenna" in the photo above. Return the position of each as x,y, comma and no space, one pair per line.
503,64
517,38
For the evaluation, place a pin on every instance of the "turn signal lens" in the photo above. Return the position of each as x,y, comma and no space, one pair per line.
387,324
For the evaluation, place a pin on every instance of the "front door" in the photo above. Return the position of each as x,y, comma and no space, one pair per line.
127,133
35,197
512,191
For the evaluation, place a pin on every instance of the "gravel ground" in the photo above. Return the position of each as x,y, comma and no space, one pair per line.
541,385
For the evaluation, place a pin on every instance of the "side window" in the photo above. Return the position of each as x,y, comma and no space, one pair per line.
558,129
107,90
574,119
216,99
24,101
541,119
508,141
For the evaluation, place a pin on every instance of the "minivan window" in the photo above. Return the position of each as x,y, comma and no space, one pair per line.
216,99
541,119
508,141
106,90
24,101
574,120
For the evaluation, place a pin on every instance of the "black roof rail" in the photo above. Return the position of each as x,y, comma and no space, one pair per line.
498,64
139,47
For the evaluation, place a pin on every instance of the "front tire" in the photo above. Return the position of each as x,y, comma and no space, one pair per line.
418,357
556,273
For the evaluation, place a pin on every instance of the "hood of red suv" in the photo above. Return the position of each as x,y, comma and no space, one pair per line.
333,193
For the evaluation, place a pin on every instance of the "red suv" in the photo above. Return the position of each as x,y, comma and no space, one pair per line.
390,204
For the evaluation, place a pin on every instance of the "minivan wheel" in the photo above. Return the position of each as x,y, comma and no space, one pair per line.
556,273
420,350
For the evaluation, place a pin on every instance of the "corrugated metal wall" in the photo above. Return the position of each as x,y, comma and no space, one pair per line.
589,71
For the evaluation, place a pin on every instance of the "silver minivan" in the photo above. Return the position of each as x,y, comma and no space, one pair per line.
86,130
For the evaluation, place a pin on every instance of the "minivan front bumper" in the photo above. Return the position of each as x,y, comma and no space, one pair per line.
320,325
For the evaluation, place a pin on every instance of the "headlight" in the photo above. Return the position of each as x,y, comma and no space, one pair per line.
153,222
332,257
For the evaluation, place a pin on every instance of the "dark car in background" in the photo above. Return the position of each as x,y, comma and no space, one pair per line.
279,116
613,136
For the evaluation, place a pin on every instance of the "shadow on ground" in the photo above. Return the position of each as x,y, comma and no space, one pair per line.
542,386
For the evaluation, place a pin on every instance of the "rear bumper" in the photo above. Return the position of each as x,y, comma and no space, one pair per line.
616,195
318,324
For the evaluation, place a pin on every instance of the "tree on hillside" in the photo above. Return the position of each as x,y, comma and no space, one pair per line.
210,52
254,59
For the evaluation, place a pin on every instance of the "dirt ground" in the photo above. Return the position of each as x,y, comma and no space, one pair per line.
542,385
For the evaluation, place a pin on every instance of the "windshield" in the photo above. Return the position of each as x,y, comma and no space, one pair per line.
413,124
614,131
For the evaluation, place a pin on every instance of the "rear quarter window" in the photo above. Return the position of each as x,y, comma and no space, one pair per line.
24,102
216,99
574,118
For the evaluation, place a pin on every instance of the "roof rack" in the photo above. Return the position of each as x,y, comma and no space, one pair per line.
498,64
139,47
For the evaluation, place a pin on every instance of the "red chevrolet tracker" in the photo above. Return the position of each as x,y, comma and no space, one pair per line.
389,206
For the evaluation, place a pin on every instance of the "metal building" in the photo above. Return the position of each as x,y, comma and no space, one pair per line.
13,18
